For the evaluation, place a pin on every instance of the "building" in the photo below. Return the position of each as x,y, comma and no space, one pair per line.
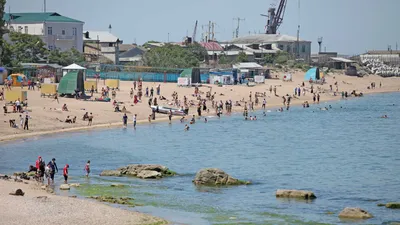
260,45
102,44
57,31
133,56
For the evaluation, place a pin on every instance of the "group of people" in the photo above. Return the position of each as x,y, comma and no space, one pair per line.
49,170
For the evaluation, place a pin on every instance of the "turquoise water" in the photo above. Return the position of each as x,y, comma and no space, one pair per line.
348,156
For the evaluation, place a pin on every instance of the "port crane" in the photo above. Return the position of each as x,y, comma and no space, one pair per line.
275,18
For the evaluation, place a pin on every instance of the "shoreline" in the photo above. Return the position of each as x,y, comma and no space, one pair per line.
16,137
39,206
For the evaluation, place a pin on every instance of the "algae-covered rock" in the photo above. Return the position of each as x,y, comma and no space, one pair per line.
280,193
113,200
354,213
115,173
381,204
64,187
117,185
393,205
144,171
31,174
214,176
74,185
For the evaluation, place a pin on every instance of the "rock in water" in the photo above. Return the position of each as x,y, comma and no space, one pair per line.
74,185
18,192
144,171
64,187
393,205
354,213
214,176
115,173
149,174
295,194
117,185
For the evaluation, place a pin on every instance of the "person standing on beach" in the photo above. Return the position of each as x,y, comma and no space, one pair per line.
65,173
26,124
314,97
87,168
134,121
134,85
151,92
318,96
125,120
270,89
264,103
90,119
131,93
284,100
159,89
21,121
275,90
250,96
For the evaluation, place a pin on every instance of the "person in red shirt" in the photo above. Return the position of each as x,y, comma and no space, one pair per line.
65,173
38,162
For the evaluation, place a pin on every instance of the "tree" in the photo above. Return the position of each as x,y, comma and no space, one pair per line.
269,58
3,30
200,52
26,48
223,59
66,58
242,57
171,56
281,57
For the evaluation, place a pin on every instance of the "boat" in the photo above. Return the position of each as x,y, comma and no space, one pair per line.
166,110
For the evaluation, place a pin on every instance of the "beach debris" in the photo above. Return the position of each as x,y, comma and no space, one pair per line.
354,213
18,192
114,200
73,196
42,198
393,205
281,193
64,187
117,185
143,171
215,176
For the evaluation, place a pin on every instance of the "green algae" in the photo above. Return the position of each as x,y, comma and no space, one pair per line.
287,219
88,190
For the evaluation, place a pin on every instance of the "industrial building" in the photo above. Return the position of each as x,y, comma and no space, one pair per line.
259,45
56,31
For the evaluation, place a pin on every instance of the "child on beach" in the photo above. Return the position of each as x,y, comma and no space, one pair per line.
65,173
87,168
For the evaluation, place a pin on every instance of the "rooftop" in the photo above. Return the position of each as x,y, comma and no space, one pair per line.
383,52
137,51
211,46
38,17
265,38
102,36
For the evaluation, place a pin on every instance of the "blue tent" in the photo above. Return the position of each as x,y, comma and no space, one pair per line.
2,69
313,74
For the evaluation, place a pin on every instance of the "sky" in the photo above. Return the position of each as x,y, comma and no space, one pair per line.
347,26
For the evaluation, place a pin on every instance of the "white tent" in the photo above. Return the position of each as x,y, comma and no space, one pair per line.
74,67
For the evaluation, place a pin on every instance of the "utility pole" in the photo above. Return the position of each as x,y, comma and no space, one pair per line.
238,25
209,31
44,6
213,31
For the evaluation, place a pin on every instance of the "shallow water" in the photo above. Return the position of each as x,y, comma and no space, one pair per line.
348,156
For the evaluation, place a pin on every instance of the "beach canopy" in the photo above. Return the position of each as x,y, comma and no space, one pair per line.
186,73
70,82
74,67
19,77
193,74
312,74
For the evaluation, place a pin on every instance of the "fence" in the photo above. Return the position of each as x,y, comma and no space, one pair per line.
145,76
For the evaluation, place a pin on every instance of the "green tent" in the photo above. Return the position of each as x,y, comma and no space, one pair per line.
186,73
70,82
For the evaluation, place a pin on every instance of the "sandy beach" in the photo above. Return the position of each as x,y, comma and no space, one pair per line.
46,114
40,207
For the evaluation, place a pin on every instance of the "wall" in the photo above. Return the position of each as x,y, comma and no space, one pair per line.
33,28
306,55
64,41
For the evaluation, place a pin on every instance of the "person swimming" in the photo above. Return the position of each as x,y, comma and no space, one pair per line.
384,117
186,127
205,120
264,114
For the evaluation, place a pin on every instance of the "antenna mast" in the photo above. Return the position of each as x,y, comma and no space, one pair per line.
238,25
44,6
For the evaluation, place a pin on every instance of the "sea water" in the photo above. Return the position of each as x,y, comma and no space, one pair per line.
348,156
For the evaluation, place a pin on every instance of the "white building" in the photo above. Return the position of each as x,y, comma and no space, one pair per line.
102,43
262,44
57,31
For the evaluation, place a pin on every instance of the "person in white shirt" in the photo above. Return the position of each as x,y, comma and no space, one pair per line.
21,121
134,121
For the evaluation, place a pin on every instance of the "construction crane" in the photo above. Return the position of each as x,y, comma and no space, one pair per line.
275,19
194,32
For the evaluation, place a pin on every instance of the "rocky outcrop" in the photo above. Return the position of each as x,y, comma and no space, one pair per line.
146,171
214,176
393,205
354,213
64,187
280,193
117,185
74,185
